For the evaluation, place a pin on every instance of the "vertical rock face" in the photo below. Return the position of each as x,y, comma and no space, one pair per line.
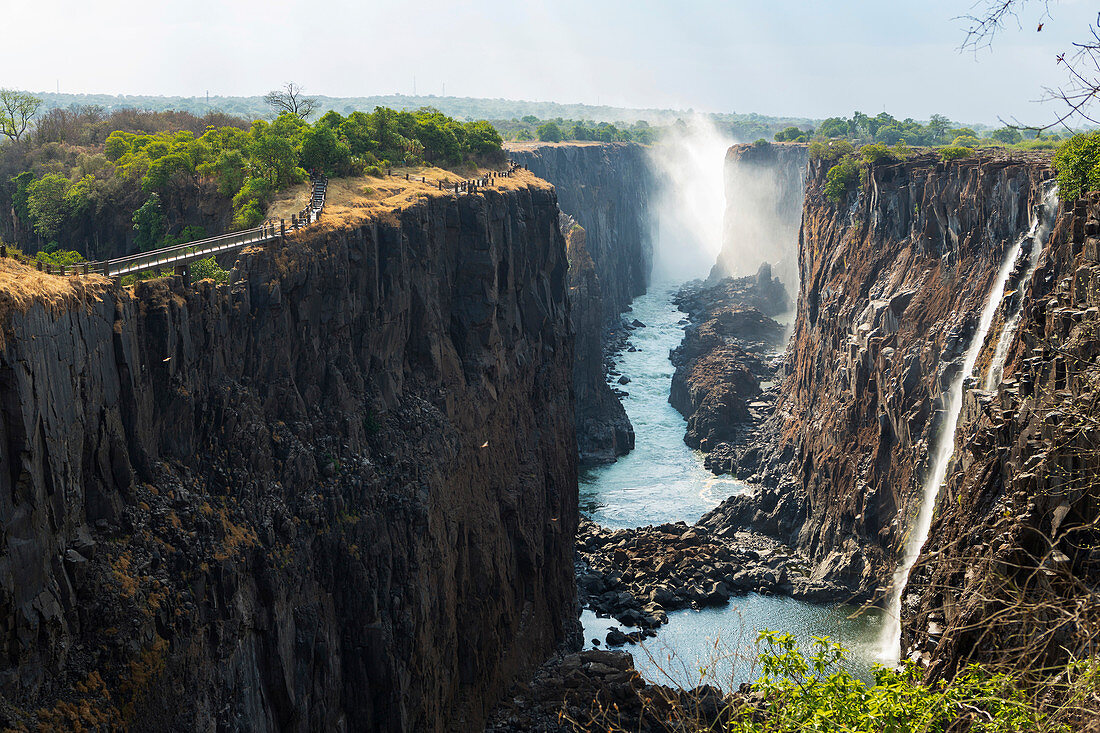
892,279
765,186
604,190
604,431
339,494
1011,566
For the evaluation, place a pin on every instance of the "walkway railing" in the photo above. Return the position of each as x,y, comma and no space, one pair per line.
179,256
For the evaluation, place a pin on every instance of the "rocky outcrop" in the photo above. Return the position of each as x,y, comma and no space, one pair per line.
604,431
765,184
601,690
638,575
1011,567
603,191
606,188
725,354
338,494
892,279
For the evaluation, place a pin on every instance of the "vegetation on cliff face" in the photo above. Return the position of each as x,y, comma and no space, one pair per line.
1078,166
103,184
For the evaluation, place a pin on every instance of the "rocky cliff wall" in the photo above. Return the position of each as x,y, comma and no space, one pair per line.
765,186
604,191
892,280
1011,566
339,494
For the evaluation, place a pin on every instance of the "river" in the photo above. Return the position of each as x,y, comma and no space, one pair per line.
662,480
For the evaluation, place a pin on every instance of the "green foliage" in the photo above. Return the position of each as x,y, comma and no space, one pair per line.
1077,163
965,141
46,203
209,269
323,151
549,132
793,134
1007,135
817,694
954,152
149,224
840,179
59,257
831,150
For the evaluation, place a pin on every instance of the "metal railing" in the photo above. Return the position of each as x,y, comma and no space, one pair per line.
181,255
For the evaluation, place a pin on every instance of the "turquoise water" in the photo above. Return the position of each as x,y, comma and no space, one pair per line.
662,480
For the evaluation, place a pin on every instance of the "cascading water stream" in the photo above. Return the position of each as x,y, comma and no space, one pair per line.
945,446
1040,228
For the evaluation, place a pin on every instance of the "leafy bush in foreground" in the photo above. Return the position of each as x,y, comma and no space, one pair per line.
1078,165
816,694
840,178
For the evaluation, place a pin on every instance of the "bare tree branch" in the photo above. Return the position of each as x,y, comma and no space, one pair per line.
1081,63
291,98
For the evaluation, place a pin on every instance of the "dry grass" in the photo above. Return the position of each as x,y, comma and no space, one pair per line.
353,201
23,286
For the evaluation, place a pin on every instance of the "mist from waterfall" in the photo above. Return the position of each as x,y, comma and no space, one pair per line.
689,164
944,448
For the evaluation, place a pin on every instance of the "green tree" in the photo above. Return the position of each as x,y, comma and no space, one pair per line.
937,129
323,151
17,109
1007,135
149,224
47,204
549,132
1077,163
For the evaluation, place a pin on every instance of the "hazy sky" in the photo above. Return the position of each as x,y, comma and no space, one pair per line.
775,57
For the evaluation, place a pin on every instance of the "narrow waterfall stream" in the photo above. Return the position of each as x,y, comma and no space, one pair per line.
663,480
944,446
1040,228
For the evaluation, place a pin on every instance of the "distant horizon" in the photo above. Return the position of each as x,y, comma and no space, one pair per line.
616,113
782,59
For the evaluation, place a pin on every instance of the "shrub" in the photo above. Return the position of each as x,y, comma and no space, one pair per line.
954,152
209,269
840,179
875,153
373,170
1078,165
816,693
831,150
549,132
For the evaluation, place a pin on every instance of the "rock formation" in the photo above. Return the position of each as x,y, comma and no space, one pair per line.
337,494
765,183
603,189
1011,566
892,278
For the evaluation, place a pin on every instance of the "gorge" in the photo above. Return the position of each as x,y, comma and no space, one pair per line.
345,489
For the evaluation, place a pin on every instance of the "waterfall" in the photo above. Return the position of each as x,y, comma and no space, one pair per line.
1041,225
944,444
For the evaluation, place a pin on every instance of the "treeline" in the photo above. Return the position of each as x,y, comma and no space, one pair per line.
107,183
884,128
559,129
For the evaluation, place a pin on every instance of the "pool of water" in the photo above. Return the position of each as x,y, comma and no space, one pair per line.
662,480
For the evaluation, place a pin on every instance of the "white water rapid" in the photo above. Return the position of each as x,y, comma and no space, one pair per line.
944,445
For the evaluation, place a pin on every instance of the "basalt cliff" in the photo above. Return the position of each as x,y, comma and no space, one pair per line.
603,191
336,494
892,277
1010,571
